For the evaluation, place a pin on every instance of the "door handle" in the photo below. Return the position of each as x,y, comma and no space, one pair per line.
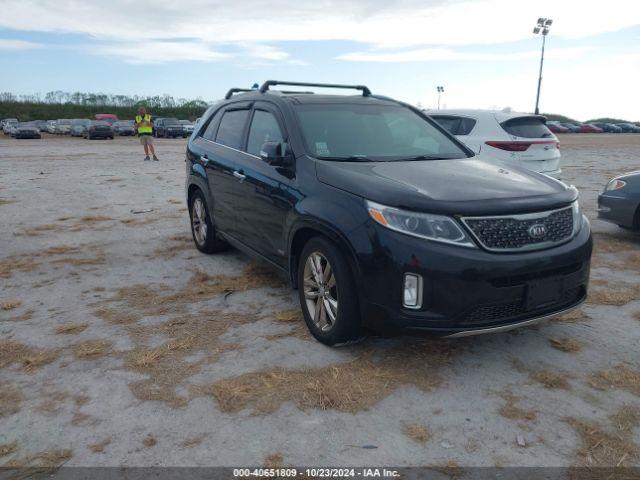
239,176
204,160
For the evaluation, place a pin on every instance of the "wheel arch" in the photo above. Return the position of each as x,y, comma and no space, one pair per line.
305,231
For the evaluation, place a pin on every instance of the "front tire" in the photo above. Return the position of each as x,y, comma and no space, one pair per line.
327,293
202,228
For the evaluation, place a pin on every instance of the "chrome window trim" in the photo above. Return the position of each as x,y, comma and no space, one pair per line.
524,216
230,148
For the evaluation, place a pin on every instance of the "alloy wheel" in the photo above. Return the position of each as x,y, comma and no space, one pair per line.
320,291
199,221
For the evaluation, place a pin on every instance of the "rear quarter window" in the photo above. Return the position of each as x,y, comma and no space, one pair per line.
526,127
455,125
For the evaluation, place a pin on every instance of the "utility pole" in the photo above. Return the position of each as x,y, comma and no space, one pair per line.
440,91
542,27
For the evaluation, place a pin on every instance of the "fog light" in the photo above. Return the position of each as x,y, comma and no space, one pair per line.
412,291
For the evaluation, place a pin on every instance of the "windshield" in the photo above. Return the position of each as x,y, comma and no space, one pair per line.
64,122
171,121
372,133
185,122
81,121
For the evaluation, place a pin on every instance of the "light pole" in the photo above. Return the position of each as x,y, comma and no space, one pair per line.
541,28
440,91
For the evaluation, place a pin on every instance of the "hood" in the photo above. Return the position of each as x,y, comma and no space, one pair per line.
466,187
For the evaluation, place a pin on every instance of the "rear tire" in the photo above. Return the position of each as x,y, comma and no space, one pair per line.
328,294
202,228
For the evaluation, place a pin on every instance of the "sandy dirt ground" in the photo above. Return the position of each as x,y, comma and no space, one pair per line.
121,344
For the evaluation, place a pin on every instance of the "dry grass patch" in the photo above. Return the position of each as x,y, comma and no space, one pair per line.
274,460
565,344
61,249
622,376
152,299
90,219
16,264
416,432
71,328
575,316
10,305
27,357
175,201
39,463
79,262
116,316
100,446
4,201
513,411
166,365
551,380
92,349
8,448
600,448
608,243
193,441
627,418
149,441
51,402
348,387
612,293
10,400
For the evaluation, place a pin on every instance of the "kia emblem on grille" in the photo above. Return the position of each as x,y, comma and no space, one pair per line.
537,230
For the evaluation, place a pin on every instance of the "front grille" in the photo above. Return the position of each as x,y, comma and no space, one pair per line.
522,232
488,314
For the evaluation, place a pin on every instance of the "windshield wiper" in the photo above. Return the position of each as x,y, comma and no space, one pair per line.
421,157
351,158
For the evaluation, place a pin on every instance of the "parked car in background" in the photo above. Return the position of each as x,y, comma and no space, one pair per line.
629,127
41,125
381,219
7,120
589,128
608,127
557,127
517,138
110,118
26,130
573,128
619,203
79,126
63,126
8,124
188,127
98,129
124,128
168,128
51,126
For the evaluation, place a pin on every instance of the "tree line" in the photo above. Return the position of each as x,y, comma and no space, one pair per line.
59,104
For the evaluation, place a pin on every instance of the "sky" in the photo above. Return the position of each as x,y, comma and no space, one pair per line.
483,52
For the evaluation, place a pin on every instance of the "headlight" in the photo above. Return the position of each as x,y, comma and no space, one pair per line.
615,184
438,228
577,216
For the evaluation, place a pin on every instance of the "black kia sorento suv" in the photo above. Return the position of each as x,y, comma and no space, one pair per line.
381,219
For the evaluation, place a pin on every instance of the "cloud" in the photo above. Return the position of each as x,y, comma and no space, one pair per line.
447,54
151,52
383,24
8,44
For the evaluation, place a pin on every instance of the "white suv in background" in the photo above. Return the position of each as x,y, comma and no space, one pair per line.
519,138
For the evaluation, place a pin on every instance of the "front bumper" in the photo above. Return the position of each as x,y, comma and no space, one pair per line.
616,207
466,290
27,135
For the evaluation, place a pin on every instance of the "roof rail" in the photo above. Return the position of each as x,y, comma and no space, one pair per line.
265,86
236,90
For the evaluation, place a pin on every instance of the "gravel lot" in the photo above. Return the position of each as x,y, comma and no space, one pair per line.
121,344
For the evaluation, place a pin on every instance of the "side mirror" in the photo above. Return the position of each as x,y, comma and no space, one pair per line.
277,154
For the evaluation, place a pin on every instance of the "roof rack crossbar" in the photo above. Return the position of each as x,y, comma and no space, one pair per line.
236,90
265,86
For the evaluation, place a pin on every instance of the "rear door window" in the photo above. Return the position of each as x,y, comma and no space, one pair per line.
264,128
231,129
526,127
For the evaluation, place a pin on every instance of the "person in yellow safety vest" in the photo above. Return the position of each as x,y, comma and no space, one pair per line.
144,127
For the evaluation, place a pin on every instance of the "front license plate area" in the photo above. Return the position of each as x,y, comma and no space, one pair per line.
542,293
